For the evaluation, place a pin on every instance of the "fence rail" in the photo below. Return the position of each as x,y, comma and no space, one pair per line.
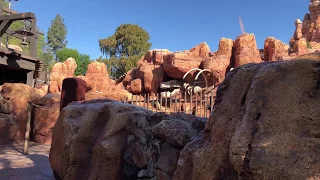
198,104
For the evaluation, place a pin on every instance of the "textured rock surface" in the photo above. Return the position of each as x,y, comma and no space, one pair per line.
275,50
14,107
97,77
46,113
271,128
151,75
135,86
59,72
246,50
105,139
178,64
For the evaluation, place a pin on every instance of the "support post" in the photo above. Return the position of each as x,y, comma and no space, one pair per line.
27,135
30,79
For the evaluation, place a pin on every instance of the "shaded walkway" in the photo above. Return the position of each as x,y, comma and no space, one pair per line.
14,165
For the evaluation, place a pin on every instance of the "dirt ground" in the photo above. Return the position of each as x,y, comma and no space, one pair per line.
14,165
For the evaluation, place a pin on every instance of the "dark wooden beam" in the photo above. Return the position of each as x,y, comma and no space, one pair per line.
30,81
20,16
33,39
22,54
4,26
17,63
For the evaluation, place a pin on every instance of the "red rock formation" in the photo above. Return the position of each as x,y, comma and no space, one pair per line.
300,47
151,75
225,47
72,66
177,64
17,97
219,61
246,50
275,50
59,72
97,77
135,86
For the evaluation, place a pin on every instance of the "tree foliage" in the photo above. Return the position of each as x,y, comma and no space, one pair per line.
57,33
124,48
82,60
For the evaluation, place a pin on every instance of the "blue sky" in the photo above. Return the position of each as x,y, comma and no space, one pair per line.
175,25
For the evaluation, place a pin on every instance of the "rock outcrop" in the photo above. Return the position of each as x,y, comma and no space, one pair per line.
59,72
275,50
105,139
13,109
246,50
311,23
178,64
268,133
97,77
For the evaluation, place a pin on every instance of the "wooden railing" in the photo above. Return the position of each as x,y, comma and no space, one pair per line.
197,104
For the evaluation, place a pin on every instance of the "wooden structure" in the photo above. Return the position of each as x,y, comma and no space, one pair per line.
18,66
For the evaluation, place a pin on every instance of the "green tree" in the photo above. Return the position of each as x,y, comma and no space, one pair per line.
124,48
82,60
57,33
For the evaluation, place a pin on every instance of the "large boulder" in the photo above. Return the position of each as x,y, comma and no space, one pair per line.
15,98
265,125
46,113
105,139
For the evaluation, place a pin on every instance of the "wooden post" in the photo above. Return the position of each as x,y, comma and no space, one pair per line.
205,106
201,96
33,39
196,104
26,139
157,102
191,99
30,79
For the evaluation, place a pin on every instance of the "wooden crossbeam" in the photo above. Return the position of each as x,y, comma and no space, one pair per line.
4,26
16,62
20,16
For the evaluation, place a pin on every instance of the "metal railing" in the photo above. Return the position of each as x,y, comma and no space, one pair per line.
198,104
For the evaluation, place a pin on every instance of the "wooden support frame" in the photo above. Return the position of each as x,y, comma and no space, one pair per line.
18,59
17,63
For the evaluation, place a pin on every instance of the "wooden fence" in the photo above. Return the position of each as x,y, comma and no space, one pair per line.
198,104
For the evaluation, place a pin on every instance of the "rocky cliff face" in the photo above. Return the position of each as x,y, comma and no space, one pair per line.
265,125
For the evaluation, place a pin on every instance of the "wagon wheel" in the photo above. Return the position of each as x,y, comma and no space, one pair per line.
199,81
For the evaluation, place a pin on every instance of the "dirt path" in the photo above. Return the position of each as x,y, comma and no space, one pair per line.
14,165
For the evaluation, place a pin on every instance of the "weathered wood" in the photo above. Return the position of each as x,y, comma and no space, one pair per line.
19,16
22,54
33,39
5,24
17,63
30,79
28,128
